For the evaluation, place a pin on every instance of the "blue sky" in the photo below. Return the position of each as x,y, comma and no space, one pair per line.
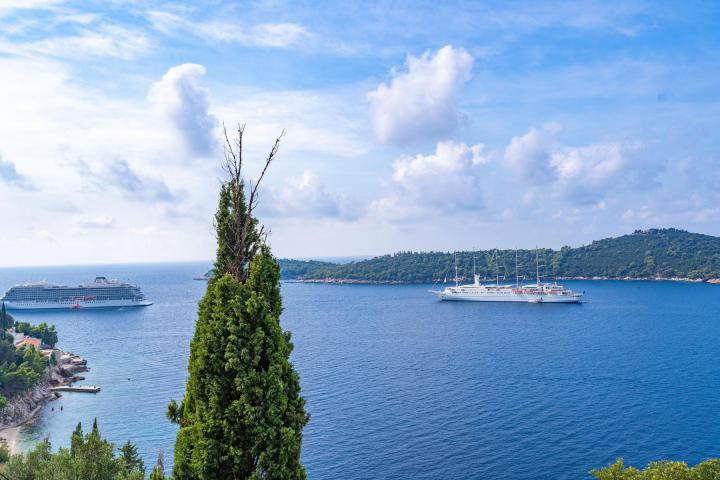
410,125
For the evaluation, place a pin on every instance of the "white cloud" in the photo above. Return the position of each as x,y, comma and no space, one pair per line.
118,174
529,156
105,41
185,104
419,103
582,174
320,123
8,6
277,34
426,185
585,174
100,221
147,231
307,197
129,170
274,35
10,175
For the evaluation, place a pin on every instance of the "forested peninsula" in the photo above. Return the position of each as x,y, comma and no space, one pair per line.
645,254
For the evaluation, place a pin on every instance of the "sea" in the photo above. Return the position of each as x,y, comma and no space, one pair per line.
402,386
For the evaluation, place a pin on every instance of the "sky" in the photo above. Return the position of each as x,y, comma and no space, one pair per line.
409,125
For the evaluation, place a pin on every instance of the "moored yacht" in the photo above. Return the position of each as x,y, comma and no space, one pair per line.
532,293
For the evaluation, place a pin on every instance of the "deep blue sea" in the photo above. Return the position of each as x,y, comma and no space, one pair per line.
401,386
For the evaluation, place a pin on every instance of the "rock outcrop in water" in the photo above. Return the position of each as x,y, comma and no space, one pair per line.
24,406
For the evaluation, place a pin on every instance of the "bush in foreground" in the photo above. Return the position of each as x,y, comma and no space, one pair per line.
663,470
90,457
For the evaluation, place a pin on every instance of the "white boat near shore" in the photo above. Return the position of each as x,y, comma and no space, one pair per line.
531,293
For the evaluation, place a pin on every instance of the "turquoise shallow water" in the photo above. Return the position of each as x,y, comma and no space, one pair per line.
401,386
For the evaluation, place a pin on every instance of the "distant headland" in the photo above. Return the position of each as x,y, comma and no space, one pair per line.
653,254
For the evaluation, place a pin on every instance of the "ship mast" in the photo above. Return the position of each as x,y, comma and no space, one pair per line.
456,270
497,270
537,265
517,277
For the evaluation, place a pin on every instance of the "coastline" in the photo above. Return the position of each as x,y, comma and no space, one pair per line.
22,409
352,281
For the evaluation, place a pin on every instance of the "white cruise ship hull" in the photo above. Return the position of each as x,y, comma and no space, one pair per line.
517,298
74,305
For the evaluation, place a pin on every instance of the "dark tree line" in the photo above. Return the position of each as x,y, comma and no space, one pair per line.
643,254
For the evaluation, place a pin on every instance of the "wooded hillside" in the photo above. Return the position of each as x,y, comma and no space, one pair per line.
643,254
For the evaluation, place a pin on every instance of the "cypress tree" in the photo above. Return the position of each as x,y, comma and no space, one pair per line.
130,458
158,471
242,415
4,324
77,440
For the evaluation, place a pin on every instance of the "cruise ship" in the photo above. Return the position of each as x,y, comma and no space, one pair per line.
101,293
532,293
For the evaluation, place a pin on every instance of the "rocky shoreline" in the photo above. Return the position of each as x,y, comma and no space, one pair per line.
22,408
352,281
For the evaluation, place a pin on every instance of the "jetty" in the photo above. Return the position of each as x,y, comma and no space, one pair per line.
81,389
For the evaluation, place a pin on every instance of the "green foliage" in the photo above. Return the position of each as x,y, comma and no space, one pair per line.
20,369
663,470
643,254
130,458
89,458
157,474
47,334
6,320
4,453
3,401
242,415
158,471
290,269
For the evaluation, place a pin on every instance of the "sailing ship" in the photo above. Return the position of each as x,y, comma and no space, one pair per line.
537,292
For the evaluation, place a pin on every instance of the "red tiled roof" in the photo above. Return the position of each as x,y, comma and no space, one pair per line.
35,342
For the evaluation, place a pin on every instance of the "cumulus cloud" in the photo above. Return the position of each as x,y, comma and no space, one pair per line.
273,35
585,174
306,196
419,103
582,174
529,155
185,104
445,181
10,175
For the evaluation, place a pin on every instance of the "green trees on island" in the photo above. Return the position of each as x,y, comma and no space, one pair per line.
90,457
46,333
663,470
20,369
242,415
645,253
